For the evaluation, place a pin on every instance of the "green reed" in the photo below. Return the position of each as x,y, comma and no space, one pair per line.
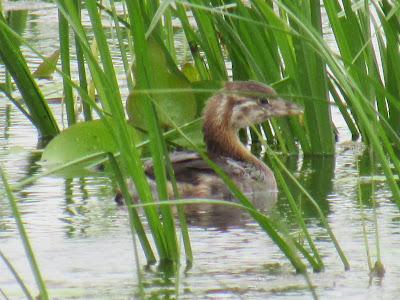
25,240
37,110
286,45
110,98
369,170
278,42
68,96
16,276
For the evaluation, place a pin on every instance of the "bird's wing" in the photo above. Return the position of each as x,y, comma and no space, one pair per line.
188,165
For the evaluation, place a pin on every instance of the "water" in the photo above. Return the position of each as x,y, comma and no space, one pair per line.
84,247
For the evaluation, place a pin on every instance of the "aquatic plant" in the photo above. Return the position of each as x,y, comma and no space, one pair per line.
279,42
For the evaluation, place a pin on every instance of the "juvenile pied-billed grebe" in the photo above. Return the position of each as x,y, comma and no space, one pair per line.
236,105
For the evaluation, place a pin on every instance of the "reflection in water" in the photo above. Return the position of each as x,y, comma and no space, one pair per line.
32,167
7,120
222,216
83,242
85,214
161,280
368,166
93,246
316,176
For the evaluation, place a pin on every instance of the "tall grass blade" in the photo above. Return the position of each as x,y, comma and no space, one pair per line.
16,276
321,214
111,100
135,223
87,111
12,57
122,47
192,40
68,96
181,211
24,237
265,223
390,57
210,42
144,80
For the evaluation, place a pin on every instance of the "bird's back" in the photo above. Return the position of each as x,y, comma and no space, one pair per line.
197,179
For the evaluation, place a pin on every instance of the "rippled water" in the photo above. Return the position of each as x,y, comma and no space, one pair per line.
84,247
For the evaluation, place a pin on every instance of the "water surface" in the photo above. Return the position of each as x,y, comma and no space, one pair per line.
84,246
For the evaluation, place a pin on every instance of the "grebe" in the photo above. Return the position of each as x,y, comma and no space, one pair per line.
236,105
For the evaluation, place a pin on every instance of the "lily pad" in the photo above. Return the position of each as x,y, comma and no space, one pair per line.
209,87
78,141
178,101
193,132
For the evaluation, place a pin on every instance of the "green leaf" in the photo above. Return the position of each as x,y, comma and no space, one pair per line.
39,111
189,70
209,87
177,99
193,132
79,140
46,68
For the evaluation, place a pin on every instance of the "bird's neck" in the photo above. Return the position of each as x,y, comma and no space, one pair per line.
222,141
221,135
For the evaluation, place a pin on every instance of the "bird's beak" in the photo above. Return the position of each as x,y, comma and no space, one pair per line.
282,107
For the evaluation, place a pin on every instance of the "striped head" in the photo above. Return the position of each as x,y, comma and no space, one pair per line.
241,103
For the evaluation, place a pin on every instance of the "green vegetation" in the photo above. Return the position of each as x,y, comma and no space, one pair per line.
24,237
281,43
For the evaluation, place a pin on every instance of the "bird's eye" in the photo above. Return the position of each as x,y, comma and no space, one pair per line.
262,101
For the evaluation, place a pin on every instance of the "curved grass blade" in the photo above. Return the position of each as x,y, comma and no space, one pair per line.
135,223
264,223
111,100
11,55
299,218
25,240
252,212
16,276
144,79
309,197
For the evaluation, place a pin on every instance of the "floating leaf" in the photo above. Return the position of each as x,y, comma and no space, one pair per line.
46,68
80,140
179,103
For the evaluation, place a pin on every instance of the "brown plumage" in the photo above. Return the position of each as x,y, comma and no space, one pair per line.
232,108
